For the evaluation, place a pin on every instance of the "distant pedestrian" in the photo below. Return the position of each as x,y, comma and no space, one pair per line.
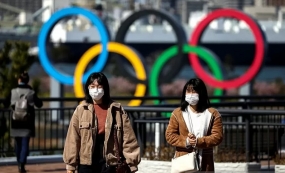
22,100
195,126
100,135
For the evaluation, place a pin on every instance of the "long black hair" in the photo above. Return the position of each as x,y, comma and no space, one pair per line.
101,80
199,86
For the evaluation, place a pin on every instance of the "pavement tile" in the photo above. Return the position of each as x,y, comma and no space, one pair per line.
36,168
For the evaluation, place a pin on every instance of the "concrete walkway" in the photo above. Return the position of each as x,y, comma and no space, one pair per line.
36,168
36,164
54,164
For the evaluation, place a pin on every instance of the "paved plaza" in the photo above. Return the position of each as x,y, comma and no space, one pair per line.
36,168
60,168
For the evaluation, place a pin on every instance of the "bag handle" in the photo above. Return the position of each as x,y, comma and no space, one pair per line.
190,121
191,124
116,141
195,149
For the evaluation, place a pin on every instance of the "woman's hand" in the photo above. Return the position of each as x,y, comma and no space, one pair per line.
192,139
191,135
68,171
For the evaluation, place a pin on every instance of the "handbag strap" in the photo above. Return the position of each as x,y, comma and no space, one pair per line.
191,128
195,149
190,121
116,141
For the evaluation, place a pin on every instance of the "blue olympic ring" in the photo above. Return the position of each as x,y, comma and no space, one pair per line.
45,32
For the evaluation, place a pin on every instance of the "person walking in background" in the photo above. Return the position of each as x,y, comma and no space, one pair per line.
100,135
22,100
194,125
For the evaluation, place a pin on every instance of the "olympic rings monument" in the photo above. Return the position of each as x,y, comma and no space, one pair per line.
148,80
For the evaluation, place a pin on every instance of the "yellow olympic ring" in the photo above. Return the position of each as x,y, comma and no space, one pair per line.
114,47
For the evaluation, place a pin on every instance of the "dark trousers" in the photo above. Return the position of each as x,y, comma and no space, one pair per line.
22,149
98,168
98,162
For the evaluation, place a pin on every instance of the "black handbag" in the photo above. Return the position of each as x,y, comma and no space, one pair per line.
122,166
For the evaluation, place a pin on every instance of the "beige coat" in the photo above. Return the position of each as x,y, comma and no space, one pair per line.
176,134
81,137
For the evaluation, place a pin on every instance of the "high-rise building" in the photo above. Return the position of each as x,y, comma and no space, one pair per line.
267,9
25,5
85,3
14,12
185,7
272,2
237,4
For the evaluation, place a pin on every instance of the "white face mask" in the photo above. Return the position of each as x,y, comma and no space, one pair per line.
96,93
192,98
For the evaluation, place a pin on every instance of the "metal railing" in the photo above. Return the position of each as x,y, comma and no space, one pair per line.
255,132
235,102
249,135
167,98
50,129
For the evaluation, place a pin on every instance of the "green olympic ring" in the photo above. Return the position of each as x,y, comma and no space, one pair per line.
205,55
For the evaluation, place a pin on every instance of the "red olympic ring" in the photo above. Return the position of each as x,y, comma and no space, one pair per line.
260,45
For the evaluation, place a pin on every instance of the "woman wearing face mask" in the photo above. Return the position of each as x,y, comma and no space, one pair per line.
90,144
194,125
